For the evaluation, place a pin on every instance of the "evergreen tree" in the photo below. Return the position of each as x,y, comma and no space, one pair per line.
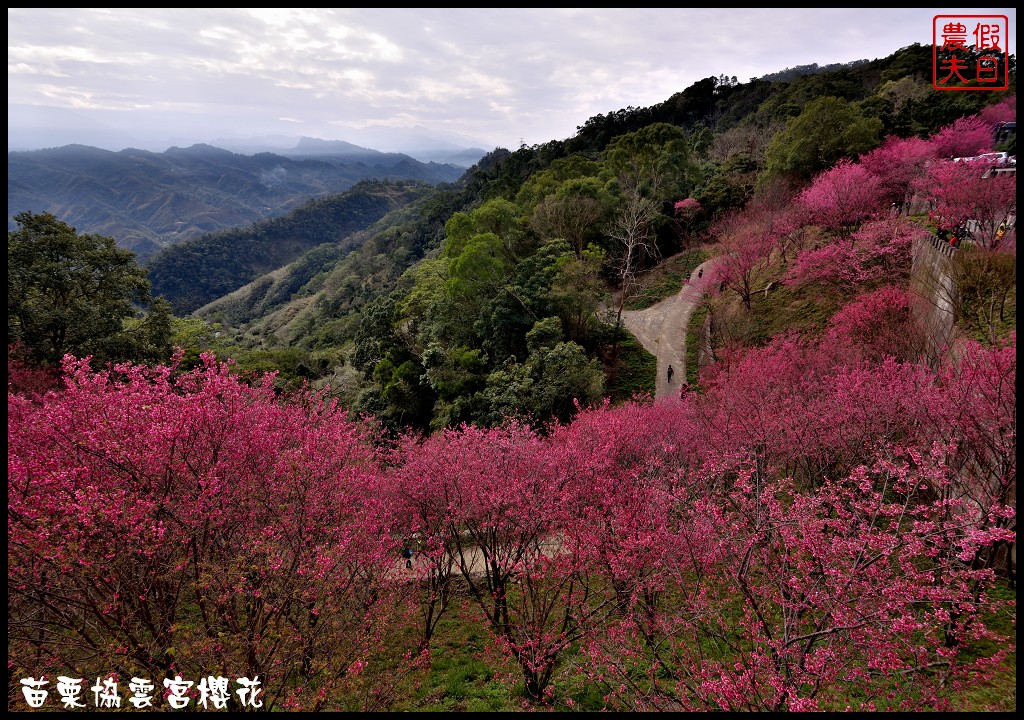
79,294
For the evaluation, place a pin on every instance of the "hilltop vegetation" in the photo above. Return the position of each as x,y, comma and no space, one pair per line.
416,303
434,312
826,523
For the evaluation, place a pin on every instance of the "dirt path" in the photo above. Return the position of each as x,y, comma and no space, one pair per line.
473,557
661,329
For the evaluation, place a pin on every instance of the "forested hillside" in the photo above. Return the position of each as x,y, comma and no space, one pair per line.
437,320
147,200
193,272
455,491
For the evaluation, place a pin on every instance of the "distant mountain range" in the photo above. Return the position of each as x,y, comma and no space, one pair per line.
148,200
425,148
34,127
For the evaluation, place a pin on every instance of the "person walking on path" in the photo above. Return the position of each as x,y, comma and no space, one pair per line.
407,554
661,328
670,372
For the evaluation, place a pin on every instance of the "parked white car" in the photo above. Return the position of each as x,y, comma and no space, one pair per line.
996,158
992,158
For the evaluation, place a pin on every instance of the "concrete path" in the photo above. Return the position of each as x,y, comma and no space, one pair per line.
661,329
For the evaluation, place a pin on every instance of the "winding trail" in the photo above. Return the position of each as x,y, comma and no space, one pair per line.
661,329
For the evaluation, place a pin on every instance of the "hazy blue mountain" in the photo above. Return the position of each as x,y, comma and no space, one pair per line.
425,148
147,200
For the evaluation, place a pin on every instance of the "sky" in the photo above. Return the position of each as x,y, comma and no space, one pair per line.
474,77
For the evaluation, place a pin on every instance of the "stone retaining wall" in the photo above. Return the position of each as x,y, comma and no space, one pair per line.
933,293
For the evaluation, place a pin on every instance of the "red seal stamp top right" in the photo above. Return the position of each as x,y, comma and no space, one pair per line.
970,52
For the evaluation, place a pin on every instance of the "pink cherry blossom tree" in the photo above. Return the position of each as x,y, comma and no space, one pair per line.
812,411
746,247
826,588
967,137
842,196
1003,111
775,210
965,194
897,163
27,379
878,249
489,500
823,520
771,594
686,209
616,464
165,524
686,212
877,325
979,421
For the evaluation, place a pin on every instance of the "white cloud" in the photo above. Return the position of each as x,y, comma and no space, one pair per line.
501,75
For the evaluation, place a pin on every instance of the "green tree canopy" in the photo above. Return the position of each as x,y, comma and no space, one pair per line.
576,212
656,158
79,294
547,386
544,182
828,129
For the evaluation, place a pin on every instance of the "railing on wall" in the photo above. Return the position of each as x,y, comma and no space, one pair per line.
941,245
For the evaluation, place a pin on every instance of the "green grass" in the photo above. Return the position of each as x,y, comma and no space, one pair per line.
466,676
694,332
977,325
633,371
803,309
464,672
1000,693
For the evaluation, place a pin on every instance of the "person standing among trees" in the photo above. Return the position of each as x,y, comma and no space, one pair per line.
670,373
